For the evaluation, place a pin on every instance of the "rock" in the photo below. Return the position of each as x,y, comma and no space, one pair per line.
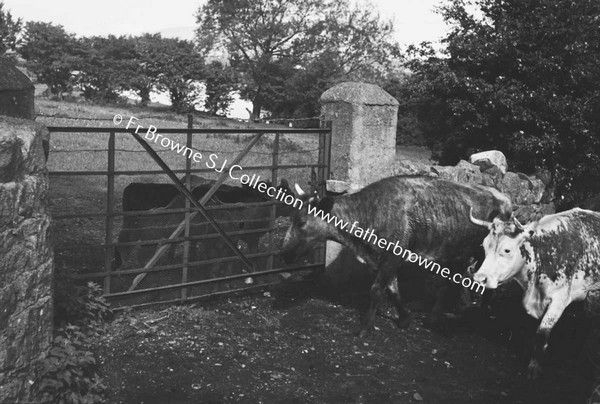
537,189
533,212
523,189
490,158
26,267
338,187
411,168
492,177
464,172
516,187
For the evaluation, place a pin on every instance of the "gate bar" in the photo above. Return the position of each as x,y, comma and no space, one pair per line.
198,204
110,218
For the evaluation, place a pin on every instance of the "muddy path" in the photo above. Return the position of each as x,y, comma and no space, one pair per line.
294,344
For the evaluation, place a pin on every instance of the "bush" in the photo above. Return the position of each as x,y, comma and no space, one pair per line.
520,77
68,372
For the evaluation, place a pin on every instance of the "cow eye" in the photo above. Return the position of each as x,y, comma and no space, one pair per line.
506,251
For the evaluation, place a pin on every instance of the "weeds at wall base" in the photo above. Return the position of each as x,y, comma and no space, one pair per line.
67,375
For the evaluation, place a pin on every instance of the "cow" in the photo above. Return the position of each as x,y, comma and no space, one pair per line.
145,196
428,216
163,222
555,259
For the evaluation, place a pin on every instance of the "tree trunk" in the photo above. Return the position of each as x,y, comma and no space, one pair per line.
256,108
144,94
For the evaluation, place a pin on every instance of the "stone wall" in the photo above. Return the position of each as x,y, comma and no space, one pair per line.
26,260
531,195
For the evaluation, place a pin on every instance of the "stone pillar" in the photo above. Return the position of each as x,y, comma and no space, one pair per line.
363,148
363,139
26,260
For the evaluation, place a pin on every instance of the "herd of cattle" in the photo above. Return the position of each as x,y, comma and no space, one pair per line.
555,259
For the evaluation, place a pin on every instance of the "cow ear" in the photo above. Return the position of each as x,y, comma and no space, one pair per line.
326,204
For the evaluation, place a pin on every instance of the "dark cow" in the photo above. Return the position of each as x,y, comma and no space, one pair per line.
554,259
146,196
428,216
163,222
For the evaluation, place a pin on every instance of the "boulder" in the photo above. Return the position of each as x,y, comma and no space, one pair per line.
492,177
490,158
530,213
411,168
464,172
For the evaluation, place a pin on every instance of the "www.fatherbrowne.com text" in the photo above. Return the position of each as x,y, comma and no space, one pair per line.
370,236
290,200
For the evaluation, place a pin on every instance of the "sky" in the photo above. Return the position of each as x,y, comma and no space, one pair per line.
414,20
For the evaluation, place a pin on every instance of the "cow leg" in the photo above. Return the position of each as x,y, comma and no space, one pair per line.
555,309
404,317
384,278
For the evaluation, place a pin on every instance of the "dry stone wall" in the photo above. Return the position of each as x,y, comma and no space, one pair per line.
26,260
531,195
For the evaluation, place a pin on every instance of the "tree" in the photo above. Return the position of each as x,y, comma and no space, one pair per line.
220,82
181,69
50,53
522,78
145,64
270,40
9,29
103,65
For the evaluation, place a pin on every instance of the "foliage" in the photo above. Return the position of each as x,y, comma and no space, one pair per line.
68,373
220,82
78,304
409,128
50,53
9,29
144,65
102,66
181,68
522,78
280,48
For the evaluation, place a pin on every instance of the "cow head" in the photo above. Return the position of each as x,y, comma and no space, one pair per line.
306,230
505,254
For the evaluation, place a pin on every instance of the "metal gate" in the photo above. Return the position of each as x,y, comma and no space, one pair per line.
195,247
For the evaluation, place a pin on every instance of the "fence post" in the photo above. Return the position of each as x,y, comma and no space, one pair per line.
274,179
363,144
186,233
110,217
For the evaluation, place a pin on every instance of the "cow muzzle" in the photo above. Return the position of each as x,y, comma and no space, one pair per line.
485,280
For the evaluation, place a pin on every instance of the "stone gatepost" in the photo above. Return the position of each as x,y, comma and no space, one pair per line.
26,259
363,148
363,140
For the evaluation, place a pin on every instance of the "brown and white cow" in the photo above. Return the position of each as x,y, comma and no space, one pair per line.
555,260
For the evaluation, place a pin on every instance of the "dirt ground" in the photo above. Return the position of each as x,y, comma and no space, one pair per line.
297,344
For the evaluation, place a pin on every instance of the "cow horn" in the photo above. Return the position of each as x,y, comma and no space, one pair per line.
518,224
299,190
479,222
